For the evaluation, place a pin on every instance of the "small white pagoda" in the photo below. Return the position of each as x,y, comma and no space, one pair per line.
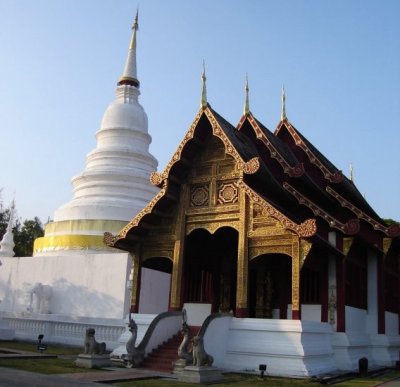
7,242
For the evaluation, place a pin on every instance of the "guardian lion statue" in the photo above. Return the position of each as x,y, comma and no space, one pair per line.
200,356
91,346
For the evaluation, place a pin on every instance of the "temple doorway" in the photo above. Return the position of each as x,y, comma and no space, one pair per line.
270,286
155,283
210,267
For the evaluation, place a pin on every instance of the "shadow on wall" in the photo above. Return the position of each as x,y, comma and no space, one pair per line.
13,300
67,299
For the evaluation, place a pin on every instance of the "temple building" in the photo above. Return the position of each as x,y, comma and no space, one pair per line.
261,224
115,183
256,234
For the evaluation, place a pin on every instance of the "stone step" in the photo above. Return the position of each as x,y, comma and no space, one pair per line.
165,355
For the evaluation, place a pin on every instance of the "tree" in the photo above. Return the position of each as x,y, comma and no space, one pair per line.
24,235
389,221
24,238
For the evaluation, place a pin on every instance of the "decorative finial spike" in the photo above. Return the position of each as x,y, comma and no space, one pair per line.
283,112
129,76
135,27
351,173
203,103
246,103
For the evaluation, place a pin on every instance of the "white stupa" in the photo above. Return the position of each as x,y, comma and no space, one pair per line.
115,184
7,242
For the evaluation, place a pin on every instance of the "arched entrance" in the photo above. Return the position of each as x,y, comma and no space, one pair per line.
155,283
270,286
209,268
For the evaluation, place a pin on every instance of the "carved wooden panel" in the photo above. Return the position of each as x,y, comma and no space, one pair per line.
263,224
199,195
228,192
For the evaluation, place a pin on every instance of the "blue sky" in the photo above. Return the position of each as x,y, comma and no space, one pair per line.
60,61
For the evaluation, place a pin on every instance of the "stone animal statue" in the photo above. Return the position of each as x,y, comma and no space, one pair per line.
133,357
183,350
41,294
200,356
91,346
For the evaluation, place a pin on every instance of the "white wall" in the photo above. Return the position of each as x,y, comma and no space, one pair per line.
288,347
154,291
391,323
309,312
196,313
91,285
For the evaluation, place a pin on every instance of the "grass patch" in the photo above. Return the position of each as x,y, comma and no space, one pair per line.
230,379
31,347
43,366
371,381
253,380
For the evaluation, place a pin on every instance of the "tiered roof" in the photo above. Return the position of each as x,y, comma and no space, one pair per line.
282,169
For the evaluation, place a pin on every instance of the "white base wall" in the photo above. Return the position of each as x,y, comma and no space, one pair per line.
90,285
289,348
6,332
381,350
66,330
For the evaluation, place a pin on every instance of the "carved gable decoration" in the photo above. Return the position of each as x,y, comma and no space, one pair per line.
306,229
220,129
263,224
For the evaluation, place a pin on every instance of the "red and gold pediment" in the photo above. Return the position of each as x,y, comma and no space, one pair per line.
248,166
330,173
292,168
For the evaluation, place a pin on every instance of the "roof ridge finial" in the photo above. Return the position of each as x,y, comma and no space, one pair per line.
129,75
351,173
283,97
203,102
246,103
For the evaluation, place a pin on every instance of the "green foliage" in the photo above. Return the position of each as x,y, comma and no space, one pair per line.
389,221
24,234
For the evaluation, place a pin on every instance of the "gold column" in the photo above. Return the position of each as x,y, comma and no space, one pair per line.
243,261
177,268
296,278
135,270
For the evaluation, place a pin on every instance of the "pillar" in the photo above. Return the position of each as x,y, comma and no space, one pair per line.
242,309
296,279
381,295
341,294
179,244
332,291
136,273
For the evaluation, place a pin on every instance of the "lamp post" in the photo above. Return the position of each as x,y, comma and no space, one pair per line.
262,368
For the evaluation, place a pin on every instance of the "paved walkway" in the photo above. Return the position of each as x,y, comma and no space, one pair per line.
15,378
391,383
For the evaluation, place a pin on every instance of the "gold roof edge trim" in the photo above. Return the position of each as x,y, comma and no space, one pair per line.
248,167
392,231
351,227
111,240
306,229
296,171
336,177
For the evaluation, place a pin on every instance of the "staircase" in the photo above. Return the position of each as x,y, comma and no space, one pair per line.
165,355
